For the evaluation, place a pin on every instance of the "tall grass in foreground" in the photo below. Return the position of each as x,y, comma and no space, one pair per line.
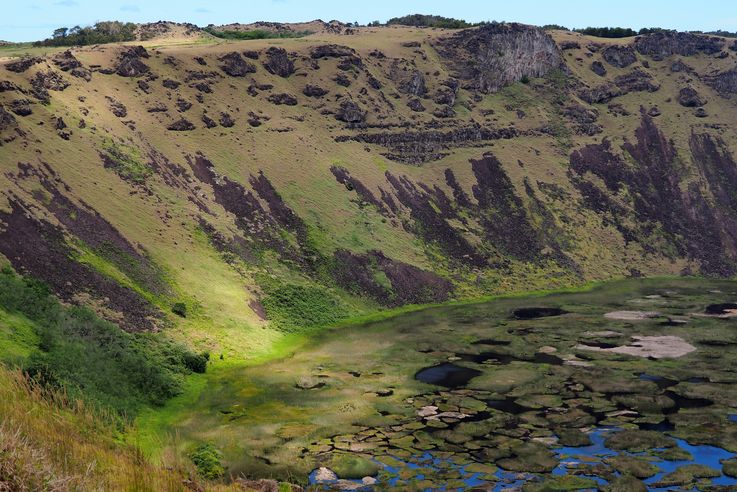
49,443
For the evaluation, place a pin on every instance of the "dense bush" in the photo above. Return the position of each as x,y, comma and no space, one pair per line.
608,32
207,460
294,307
94,359
422,20
180,309
101,32
255,34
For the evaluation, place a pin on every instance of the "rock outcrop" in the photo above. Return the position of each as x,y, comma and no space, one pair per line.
278,62
690,98
619,56
662,44
234,65
493,56
130,64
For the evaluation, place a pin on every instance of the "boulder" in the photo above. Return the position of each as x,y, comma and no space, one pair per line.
234,65
725,83
598,68
21,107
278,62
130,64
314,91
226,120
688,97
181,125
350,112
170,84
416,105
619,56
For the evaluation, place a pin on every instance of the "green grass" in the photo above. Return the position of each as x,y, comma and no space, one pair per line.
18,337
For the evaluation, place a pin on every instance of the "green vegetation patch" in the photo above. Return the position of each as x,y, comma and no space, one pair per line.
90,358
294,307
207,459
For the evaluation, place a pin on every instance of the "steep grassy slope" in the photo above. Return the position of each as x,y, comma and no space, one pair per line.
390,166
265,188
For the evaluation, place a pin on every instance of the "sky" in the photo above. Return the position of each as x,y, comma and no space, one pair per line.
28,20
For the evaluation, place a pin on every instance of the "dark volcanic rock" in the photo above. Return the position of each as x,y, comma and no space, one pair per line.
351,113
690,98
282,98
130,64
342,80
584,119
416,105
570,45
170,84
619,56
599,94
6,119
181,125
598,68
314,91
117,107
495,55
278,62
183,105
700,113
158,108
666,43
251,54
226,120
414,84
636,81
234,65
23,64
50,80
679,66
353,184
444,112
67,62
332,51
724,83
209,122
21,107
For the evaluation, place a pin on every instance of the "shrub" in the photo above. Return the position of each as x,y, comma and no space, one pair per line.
196,362
180,309
207,460
255,34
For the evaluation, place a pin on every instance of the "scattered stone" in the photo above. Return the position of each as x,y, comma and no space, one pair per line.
309,382
325,475
209,122
21,107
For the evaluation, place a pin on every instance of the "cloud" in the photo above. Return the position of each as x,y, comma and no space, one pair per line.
203,10
130,8
66,3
